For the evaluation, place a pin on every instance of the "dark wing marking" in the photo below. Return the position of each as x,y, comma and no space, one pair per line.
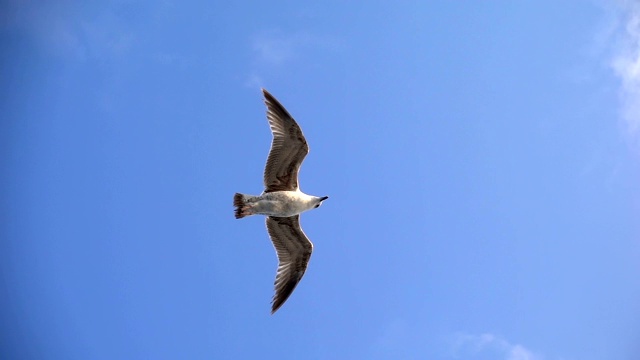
294,251
288,148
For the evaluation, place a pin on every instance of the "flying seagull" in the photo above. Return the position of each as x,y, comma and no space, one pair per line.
282,201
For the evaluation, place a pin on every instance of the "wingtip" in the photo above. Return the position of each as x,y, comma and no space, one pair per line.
268,97
275,306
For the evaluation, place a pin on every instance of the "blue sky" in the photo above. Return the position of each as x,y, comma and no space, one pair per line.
482,162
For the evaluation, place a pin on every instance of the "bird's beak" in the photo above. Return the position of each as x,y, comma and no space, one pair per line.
324,198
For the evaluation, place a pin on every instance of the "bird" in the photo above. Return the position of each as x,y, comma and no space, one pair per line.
282,201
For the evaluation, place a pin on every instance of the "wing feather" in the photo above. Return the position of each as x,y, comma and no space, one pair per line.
294,251
288,148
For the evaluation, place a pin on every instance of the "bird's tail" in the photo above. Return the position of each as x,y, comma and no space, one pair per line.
240,202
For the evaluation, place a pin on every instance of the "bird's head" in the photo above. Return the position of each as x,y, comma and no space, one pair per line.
320,200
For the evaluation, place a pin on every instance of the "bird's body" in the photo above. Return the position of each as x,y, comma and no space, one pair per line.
277,203
282,201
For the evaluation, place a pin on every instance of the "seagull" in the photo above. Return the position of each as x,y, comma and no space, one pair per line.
282,201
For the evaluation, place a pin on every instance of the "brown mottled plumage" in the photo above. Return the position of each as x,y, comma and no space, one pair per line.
288,148
294,251
282,201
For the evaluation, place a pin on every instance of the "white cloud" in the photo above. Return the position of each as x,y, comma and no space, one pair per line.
60,30
254,81
272,49
466,345
518,352
276,48
626,62
45,25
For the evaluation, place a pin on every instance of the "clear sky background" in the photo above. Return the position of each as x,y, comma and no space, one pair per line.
482,161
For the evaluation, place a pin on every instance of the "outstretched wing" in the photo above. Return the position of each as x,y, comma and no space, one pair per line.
288,148
294,251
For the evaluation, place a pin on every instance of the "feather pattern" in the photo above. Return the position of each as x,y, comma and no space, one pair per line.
288,148
294,251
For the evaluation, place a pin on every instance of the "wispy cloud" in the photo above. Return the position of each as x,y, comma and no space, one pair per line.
60,30
272,49
44,24
466,345
275,49
626,62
